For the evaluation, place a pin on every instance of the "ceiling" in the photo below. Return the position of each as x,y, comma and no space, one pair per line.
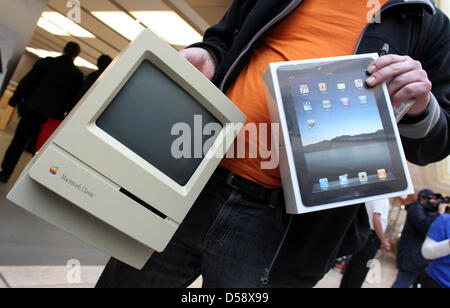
107,39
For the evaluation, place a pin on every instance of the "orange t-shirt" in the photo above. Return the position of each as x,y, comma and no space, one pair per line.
317,29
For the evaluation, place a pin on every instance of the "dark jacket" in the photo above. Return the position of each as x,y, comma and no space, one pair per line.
88,82
315,240
414,28
409,255
50,88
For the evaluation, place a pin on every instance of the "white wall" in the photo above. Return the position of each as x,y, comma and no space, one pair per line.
445,6
21,16
8,39
26,63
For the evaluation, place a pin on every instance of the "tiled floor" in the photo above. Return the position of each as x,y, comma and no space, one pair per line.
29,249
3,283
26,240
86,277
46,276
382,276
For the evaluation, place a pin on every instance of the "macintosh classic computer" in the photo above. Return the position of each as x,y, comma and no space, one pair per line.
109,176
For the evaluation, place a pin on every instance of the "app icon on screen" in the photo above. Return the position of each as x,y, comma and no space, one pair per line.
324,183
304,89
363,177
382,175
326,104
312,124
323,87
359,83
307,106
345,102
341,86
343,179
363,100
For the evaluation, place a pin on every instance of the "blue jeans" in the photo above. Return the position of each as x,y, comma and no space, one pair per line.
405,280
356,270
228,238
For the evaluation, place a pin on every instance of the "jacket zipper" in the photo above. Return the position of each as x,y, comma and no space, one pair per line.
266,274
294,4
385,50
382,10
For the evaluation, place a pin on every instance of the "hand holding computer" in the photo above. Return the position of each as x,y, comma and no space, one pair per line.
201,59
405,78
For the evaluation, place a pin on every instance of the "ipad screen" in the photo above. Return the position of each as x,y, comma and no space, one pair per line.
341,132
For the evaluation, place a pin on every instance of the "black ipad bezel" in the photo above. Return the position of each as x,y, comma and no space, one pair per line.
344,194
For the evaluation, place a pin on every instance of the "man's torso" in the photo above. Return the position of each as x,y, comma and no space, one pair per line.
316,29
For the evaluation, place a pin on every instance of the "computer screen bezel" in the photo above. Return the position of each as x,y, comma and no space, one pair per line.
81,137
294,201
344,193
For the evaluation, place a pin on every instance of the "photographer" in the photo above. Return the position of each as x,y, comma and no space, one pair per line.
437,248
421,215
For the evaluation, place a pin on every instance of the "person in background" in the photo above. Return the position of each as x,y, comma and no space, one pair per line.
102,63
437,249
357,269
410,262
52,124
48,89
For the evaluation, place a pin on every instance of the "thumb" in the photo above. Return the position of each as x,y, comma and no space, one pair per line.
196,57
186,53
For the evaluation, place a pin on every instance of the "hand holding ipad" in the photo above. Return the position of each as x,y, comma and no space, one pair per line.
340,144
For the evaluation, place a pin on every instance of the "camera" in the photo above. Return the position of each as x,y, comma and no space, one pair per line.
441,199
432,202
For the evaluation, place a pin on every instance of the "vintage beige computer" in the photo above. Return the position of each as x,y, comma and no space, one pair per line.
112,174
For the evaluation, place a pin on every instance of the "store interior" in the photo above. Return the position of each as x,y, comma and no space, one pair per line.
34,253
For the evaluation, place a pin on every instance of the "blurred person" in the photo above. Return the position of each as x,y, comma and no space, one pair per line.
437,249
48,91
52,124
356,270
410,262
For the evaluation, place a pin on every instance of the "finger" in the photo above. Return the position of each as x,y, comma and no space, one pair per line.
385,61
186,53
195,57
413,90
420,106
392,71
403,80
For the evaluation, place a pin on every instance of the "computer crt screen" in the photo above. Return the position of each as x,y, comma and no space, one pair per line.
145,112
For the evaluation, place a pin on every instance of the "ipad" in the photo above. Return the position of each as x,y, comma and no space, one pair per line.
344,143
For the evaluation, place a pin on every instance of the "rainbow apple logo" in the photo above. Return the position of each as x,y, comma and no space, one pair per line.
54,170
